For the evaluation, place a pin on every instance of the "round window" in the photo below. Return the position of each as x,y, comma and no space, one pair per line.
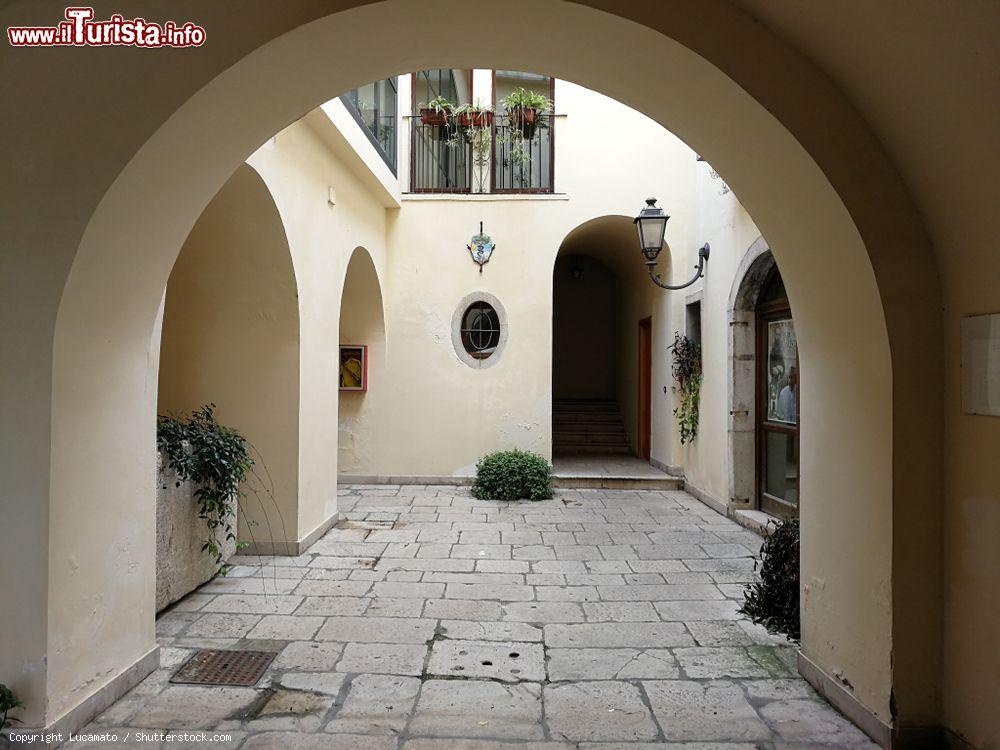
480,330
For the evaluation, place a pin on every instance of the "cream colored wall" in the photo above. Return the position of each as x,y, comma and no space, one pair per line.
721,221
971,520
231,337
299,169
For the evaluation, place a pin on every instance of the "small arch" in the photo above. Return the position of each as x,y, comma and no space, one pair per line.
605,246
362,324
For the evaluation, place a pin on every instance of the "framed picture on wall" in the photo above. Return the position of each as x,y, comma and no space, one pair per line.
354,367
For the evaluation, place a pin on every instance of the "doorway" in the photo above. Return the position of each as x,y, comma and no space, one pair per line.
777,428
645,416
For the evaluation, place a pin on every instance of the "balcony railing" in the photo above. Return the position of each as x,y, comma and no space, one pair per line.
440,160
523,156
444,158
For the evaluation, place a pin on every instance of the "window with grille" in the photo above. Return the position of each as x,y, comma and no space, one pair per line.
480,330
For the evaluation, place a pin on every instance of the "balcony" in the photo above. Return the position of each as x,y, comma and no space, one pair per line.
440,159
498,158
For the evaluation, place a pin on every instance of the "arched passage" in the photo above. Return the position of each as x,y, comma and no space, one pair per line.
602,302
363,382
829,230
230,337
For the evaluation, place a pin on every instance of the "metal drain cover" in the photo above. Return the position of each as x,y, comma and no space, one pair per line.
222,667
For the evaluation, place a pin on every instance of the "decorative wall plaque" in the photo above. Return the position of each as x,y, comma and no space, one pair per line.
481,246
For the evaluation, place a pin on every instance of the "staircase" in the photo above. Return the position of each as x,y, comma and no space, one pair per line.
588,426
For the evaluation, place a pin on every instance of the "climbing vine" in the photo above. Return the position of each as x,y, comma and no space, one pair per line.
686,370
217,460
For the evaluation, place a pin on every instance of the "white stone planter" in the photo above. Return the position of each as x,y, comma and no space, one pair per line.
181,564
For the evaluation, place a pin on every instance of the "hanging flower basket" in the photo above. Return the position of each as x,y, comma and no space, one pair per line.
475,119
524,119
434,117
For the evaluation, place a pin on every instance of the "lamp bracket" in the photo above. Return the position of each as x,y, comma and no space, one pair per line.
703,253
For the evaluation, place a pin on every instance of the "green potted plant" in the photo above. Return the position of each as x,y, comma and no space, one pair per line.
476,115
523,107
436,112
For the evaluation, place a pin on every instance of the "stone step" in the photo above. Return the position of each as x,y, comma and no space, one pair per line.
574,481
581,436
596,420
568,449
584,406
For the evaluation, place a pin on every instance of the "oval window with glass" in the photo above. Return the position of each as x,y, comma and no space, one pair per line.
480,330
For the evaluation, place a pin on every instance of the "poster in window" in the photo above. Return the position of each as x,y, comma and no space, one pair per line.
782,372
354,368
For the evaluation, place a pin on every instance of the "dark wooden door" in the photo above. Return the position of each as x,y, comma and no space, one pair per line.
777,408
645,421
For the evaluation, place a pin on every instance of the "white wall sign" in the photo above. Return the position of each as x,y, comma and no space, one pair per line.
981,364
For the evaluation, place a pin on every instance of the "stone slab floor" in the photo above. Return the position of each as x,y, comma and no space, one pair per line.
427,619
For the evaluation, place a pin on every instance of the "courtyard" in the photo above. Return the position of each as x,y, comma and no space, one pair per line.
428,619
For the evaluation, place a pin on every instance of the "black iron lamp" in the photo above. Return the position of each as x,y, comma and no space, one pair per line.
651,224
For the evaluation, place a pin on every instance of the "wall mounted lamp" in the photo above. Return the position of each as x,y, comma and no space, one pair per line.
651,224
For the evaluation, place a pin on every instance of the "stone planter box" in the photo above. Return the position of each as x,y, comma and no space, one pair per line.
181,565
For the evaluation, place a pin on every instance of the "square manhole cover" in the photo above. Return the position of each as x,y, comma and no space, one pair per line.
221,667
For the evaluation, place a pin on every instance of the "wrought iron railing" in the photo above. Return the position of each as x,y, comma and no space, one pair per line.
503,158
440,159
523,155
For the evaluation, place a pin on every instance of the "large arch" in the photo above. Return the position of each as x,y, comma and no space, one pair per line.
871,568
230,336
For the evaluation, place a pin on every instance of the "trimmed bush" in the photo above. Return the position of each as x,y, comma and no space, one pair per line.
773,601
512,475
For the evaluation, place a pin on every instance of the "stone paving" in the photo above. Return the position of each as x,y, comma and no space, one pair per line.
426,619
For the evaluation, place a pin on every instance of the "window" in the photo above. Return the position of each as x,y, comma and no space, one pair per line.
523,153
440,162
480,330
374,107
693,318
777,401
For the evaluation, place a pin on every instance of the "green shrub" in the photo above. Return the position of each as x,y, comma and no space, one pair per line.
512,475
773,601
8,702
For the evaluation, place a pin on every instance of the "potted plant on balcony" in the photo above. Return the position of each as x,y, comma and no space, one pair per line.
475,123
436,112
523,107
476,115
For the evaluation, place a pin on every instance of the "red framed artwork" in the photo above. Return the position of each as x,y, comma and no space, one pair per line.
353,367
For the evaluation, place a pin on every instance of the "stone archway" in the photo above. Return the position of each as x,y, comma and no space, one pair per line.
827,228
753,270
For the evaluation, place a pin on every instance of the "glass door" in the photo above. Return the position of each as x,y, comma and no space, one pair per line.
777,404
